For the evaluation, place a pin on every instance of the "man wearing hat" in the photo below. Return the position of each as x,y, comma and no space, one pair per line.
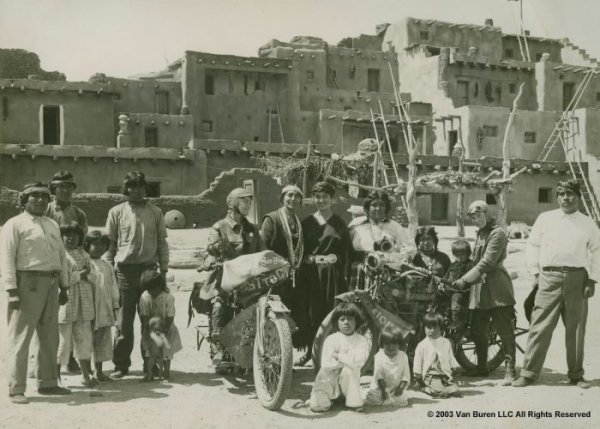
563,254
34,266
492,294
138,241
229,238
62,209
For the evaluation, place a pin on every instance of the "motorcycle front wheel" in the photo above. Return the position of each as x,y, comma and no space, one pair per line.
272,368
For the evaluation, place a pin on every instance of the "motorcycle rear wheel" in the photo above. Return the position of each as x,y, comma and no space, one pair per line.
369,330
273,369
467,358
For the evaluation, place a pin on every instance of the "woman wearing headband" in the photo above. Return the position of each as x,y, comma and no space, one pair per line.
324,269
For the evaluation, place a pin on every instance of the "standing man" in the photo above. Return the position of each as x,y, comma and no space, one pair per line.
563,253
138,241
61,209
34,266
492,295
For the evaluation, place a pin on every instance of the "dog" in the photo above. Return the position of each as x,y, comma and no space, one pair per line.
157,348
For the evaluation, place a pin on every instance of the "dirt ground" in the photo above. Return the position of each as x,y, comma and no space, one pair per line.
197,398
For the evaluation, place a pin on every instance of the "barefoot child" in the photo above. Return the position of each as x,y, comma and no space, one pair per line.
106,300
391,374
156,301
344,354
75,317
461,250
434,360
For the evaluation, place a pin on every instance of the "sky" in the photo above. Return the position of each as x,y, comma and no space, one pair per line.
125,37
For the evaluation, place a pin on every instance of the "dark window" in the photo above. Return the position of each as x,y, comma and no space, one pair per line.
512,88
209,85
509,54
529,137
568,93
490,131
490,199
373,80
207,126
51,125
424,35
153,189
439,207
310,74
544,195
538,56
598,96
462,89
259,84
452,140
151,137
162,102
114,189
346,108
352,71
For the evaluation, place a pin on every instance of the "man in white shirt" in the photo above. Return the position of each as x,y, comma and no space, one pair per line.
33,264
563,253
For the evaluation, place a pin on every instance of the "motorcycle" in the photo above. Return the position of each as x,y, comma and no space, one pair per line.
259,335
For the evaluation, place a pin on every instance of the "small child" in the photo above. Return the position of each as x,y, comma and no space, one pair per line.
391,374
434,360
75,317
344,354
156,301
461,250
106,300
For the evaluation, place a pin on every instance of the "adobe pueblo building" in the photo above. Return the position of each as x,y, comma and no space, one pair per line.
189,125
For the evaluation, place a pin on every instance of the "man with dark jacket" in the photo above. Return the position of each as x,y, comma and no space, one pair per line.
492,295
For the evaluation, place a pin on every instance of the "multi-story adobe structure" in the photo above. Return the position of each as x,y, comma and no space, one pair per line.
207,113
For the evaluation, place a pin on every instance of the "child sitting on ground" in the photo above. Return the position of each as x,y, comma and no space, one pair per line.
461,250
156,301
75,317
391,374
106,300
434,360
344,354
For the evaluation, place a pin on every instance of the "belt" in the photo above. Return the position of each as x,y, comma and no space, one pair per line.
321,259
562,269
40,273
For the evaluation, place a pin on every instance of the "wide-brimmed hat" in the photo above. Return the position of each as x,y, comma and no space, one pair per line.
62,177
478,206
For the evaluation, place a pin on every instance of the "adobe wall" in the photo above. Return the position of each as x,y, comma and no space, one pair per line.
95,168
474,118
139,96
87,117
536,48
173,131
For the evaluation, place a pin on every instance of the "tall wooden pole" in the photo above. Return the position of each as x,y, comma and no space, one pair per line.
502,206
411,190
305,175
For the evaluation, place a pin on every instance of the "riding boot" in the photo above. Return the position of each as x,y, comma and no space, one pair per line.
509,374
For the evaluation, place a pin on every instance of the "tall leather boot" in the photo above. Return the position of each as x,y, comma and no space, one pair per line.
509,374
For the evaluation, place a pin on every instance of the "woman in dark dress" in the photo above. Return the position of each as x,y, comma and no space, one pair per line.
281,232
325,267
428,255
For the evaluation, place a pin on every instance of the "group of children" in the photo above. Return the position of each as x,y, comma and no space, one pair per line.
87,318
346,351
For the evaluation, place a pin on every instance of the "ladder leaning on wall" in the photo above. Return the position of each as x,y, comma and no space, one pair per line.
564,132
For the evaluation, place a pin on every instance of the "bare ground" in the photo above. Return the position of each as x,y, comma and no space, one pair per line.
197,398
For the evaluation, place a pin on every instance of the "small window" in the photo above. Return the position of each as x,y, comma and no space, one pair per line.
151,137
51,125
310,74
490,199
490,131
207,126
424,35
162,102
153,189
545,195
538,57
209,85
509,54
346,108
373,80
352,71
512,88
598,97
259,85
529,136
